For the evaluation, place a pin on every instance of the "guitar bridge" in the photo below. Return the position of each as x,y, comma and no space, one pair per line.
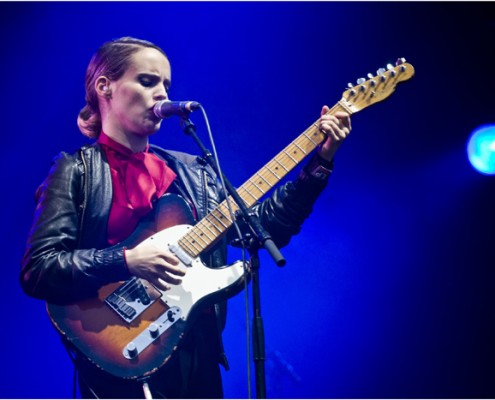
132,298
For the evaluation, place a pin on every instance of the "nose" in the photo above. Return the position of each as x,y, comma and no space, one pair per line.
161,93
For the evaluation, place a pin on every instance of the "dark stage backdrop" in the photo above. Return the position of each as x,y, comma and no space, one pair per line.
389,289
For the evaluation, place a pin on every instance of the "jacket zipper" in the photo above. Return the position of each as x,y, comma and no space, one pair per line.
81,223
205,193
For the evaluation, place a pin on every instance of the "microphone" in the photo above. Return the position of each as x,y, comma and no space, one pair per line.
167,108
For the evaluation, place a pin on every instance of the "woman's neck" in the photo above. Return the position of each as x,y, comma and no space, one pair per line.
133,142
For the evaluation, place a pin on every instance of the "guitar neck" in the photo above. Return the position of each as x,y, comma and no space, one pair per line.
211,228
368,92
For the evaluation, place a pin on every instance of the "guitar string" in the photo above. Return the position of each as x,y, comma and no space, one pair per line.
296,152
133,285
279,159
314,132
215,218
293,155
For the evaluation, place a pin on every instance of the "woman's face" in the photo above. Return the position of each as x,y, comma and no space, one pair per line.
133,96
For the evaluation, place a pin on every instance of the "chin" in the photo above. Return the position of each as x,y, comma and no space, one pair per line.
153,127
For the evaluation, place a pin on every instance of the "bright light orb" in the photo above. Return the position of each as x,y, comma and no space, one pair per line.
481,149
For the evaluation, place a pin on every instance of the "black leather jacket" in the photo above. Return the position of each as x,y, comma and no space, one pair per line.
67,256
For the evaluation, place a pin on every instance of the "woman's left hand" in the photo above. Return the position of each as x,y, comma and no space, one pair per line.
336,127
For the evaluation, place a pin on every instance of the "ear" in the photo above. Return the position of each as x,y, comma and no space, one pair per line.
102,87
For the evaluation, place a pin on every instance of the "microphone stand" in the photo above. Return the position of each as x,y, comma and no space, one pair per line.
261,238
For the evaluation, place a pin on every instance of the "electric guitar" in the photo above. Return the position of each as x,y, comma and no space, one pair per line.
131,329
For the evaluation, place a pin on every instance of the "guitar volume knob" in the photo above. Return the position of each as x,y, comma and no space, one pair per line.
131,349
154,330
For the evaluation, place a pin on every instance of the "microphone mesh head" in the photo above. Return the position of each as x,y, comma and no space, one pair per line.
157,108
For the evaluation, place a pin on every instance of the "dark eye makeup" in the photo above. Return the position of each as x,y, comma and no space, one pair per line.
148,80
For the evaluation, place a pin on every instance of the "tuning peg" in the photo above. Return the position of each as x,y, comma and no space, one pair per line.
362,86
401,62
372,81
352,92
380,73
390,67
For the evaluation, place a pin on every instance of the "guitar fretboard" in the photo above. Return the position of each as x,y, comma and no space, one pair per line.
211,228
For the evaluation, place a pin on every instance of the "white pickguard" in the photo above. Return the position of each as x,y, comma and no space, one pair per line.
199,281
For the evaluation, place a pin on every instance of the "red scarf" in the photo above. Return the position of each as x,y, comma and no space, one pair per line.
138,179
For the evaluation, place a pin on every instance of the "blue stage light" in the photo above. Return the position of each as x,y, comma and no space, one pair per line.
481,149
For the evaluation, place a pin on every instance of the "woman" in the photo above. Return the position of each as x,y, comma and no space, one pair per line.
93,199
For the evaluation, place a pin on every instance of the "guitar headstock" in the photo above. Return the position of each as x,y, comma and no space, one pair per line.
377,88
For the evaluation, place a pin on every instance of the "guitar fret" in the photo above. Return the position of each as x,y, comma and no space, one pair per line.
261,176
248,192
225,212
203,232
309,138
299,147
218,219
282,165
191,241
199,237
292,158
206,226
257,187
276,175
211,224
186,246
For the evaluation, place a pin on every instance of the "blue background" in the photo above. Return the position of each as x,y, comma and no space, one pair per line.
389,289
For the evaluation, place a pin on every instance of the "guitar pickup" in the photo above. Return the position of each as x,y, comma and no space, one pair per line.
132,298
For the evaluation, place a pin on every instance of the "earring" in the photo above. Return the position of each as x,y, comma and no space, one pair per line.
105,88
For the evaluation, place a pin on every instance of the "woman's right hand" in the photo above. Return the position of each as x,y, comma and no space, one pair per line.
160,268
